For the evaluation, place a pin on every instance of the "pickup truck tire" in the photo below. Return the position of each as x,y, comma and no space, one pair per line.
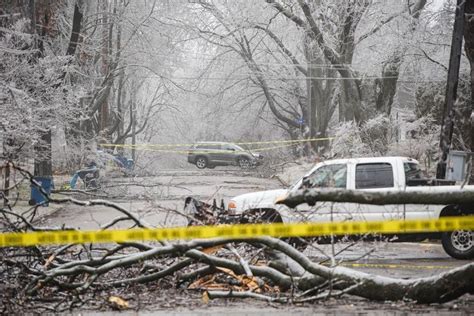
201,162
459,244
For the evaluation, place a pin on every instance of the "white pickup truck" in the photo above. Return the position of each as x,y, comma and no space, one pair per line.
378,174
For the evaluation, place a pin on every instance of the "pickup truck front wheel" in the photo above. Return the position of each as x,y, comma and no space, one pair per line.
459,244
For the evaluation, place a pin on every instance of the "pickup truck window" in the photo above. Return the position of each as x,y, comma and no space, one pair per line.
329,176
374,175
412,171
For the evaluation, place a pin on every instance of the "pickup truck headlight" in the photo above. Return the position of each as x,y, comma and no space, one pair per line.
281,198
232,206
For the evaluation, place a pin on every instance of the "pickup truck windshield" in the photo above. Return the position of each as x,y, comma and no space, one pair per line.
329,176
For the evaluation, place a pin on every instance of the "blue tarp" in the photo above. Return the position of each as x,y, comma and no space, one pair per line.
37,197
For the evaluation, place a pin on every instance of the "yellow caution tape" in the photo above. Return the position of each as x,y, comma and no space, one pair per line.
294,141
237,231
197,152
394,266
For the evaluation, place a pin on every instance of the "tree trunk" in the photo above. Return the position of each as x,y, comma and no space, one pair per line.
43,166
320,96
104,105
386,87
73,132
120,90
350,101
6,182
76,29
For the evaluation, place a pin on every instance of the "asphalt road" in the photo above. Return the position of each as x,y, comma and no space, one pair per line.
159,201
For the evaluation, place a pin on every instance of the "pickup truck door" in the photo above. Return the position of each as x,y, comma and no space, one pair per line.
369,177
376,177
330,176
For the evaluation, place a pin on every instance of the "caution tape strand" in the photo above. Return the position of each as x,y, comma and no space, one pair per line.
197,152
241,231
210,143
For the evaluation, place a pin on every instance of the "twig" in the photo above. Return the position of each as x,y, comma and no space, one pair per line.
247,294
329,294
242,261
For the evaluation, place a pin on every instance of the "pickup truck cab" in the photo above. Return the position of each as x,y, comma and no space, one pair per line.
377,174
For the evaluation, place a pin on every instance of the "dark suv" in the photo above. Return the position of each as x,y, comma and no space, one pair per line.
212,154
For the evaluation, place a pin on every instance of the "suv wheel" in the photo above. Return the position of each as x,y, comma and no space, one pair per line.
201,162
244,163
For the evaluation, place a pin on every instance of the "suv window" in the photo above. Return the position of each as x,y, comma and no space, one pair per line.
329,176
232,147
374,175
228,147
208,146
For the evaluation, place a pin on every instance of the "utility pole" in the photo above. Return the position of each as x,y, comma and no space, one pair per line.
451,88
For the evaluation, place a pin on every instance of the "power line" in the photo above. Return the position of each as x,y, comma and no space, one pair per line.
245,76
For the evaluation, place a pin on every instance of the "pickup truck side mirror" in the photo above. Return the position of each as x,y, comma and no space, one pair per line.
306,183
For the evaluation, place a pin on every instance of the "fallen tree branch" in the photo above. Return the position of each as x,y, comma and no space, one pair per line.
246,294
312,196
435,289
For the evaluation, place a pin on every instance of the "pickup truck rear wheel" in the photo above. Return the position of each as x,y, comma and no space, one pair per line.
459,244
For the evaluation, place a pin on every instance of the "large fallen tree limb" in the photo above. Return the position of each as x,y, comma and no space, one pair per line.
435,289
312,196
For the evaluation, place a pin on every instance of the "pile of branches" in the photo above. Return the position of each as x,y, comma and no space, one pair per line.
65,277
